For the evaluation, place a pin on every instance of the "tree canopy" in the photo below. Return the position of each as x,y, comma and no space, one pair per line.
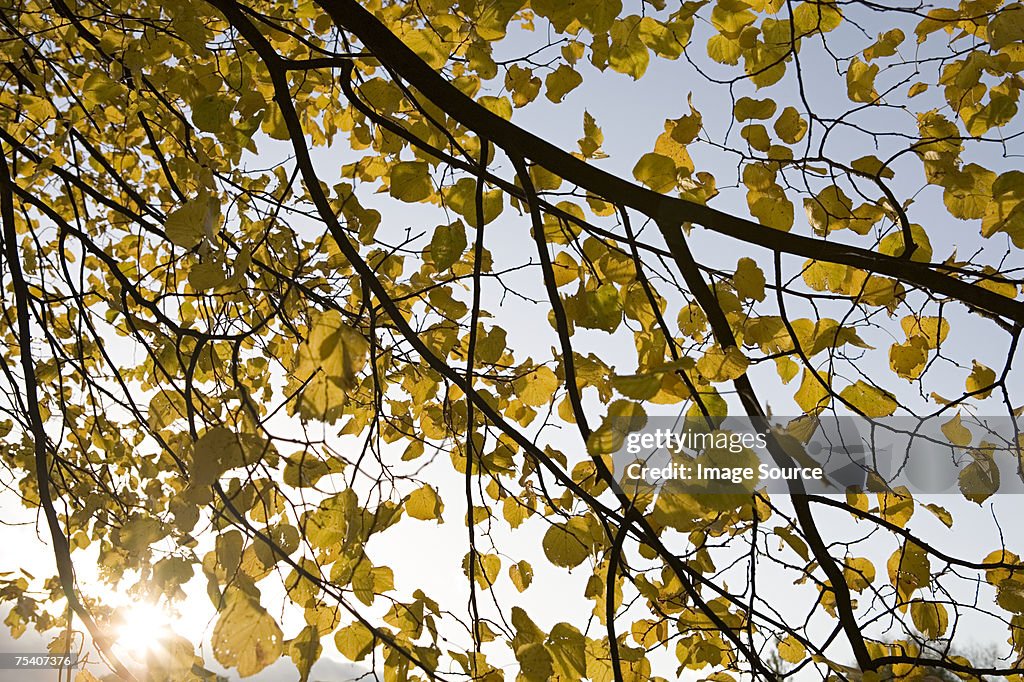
287,282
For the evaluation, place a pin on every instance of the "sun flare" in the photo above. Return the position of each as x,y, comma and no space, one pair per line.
141,630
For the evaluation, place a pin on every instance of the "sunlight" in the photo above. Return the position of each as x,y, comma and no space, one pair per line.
141,629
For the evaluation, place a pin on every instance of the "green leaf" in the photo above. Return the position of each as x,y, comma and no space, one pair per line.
599,308
637,386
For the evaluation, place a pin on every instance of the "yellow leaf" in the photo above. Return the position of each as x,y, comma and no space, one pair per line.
719,364
354,641
941,513
830,210
627,53
410,181
1006,26
870,400
426,43
825,276
593,138
930,618
524,85
757,137
486,570
521,575
246,637
908,359
956,432
980,380
892,244
535,664
685,129
304,650
748,108
99,88
872,165
909,570
567,544
668,145
897,506
425,504
666,39
537,387
197,218
657,171
771,207
859,573
811,17
328,362
206,275
860,81
933,329
980,479
561,82
790,126
724,50
749,280
812,396
447,245
791,650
